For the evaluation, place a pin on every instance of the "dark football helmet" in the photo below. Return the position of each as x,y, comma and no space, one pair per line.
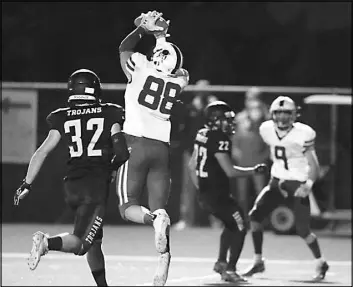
84,86
220,116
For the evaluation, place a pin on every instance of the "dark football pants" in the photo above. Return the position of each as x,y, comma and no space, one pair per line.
225,209
148,167
271,197
87,196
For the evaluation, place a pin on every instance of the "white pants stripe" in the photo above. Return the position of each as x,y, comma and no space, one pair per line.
122,183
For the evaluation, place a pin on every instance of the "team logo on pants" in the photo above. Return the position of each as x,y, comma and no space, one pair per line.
92,233
238,220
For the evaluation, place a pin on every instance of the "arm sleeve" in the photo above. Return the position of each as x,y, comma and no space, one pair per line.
136,60
54,122
117,115
310,137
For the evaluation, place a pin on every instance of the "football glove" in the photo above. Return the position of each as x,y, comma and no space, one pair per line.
21,192
260,168
148,21
304,189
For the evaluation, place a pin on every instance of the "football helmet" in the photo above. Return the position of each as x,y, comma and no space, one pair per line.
220,116
84,86
166,57
283,112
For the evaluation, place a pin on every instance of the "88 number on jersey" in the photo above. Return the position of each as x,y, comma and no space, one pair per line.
159,95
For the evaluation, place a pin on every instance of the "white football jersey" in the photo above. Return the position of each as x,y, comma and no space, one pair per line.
287,153
149,98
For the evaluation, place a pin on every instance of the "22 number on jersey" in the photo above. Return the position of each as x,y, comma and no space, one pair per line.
201,153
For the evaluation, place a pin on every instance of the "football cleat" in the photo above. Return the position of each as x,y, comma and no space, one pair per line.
39,249
257,267
220,267
232,276
321,271
161,276
161,225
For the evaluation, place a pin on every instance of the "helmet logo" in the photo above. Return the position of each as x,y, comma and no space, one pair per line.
89,90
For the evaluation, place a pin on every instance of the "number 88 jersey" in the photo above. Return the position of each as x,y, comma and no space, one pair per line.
287,152
149,98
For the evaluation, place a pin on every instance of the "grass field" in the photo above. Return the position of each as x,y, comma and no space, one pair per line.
131,259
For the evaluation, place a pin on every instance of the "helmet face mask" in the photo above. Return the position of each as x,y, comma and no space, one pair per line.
84,87
166,58
220,116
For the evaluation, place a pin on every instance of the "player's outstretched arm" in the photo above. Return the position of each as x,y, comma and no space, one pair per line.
192,167
36,163
121,151
314,171
231,170
127,46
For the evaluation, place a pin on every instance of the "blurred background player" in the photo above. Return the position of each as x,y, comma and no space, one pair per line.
248,148
154,84
295,168
194,120
96,147
210,168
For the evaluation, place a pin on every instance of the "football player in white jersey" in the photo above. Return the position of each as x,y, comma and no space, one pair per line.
295,168
154,84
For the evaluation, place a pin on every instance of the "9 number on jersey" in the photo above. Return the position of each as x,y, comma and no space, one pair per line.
280,153
94,123
152,92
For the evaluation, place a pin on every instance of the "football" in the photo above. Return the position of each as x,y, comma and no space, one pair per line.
161,22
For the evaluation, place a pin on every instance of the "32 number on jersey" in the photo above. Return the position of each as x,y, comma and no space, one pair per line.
280,153
156,94
96,124
201,153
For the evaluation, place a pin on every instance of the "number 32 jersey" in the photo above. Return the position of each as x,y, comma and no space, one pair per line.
287,153
149,98
86,133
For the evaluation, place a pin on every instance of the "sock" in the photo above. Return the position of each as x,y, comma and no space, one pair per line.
99,277
55,243
257,237
238,238
224,245
148,218
315,248
139,214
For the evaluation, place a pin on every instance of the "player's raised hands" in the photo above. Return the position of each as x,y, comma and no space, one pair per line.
149,21
21,192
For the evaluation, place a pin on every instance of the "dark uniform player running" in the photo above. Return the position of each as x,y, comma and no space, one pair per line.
96,147
211,167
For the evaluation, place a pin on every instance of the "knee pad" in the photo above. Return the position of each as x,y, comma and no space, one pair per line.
85,246
255,226
309,238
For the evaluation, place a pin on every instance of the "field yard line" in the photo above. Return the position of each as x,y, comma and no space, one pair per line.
134,258
185,279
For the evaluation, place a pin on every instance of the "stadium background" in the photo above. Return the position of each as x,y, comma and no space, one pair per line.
262,44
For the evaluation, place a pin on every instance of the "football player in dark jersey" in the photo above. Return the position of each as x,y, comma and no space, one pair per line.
96,149
211,167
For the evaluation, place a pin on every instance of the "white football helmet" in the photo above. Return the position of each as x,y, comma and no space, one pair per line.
283,112
167,57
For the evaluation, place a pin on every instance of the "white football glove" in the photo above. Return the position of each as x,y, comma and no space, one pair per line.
304,189
149,20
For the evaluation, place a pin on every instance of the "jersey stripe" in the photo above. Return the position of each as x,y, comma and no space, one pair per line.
128,66
132,62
